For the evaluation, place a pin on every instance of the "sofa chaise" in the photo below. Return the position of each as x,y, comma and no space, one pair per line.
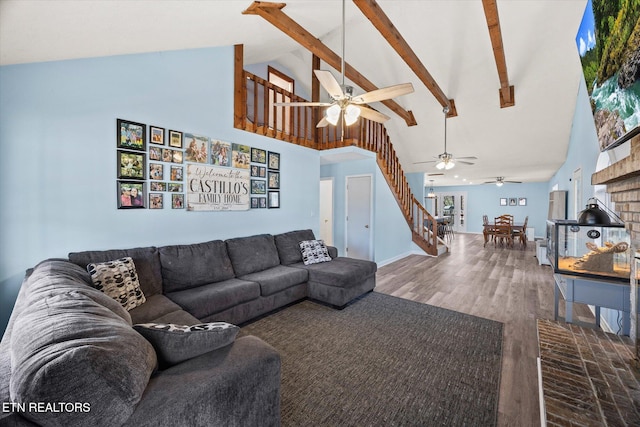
72,355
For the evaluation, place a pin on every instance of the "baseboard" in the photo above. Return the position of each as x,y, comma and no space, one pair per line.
401,256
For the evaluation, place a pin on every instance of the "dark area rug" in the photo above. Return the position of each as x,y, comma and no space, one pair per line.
384,361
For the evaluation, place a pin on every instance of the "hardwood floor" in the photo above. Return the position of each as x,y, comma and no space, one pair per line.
501,284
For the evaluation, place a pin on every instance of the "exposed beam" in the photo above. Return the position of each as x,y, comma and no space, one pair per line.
383,24
506,91
272,12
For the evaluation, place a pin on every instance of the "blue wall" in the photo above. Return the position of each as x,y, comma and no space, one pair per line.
392,235
485,200
58,163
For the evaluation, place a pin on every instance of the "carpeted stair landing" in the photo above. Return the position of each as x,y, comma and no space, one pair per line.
384,361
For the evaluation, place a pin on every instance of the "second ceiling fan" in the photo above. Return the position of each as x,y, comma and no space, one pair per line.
344,105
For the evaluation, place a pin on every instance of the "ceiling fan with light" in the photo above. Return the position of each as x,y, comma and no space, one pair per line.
446,160
344,105
500,181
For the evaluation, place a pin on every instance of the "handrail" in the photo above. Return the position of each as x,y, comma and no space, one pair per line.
297,126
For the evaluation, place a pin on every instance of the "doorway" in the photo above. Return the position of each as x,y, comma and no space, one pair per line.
358,217
453,205
326,210
282,114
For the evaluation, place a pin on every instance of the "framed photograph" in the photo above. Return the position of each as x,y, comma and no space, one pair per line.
155,153
220,153
167,155
274,199
156,171
274,180
176,156
175,139
241,155
258,186
131,135
258,155
197,148
131,165
503,201
513,201
262,202
157,186
274,160
254,202
131,195
522,201
156,135
155,200
258,171
177,173
177,201
175,187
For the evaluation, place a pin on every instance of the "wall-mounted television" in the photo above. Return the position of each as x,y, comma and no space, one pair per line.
608,42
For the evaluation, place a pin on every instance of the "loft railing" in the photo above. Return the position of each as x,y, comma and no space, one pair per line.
254,112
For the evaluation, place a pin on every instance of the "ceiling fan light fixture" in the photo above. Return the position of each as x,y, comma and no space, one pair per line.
499,183
351,114
333,114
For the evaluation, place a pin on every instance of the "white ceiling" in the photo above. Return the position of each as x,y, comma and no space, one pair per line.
527,142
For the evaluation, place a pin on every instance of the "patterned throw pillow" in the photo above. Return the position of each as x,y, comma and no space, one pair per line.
176,343
314,252
119,280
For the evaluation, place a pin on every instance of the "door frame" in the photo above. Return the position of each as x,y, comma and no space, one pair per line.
332,208
346,211
456,194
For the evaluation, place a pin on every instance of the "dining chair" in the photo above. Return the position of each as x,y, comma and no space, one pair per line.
521,233
487,230
502,232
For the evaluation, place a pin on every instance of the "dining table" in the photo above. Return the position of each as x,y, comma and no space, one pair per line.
488,230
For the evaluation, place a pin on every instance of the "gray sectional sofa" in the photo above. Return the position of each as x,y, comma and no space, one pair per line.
70,345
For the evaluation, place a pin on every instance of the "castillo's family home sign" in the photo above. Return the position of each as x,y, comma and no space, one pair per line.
212,188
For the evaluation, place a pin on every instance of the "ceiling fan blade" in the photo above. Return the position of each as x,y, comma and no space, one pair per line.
463,162
301,104
467,158
513,182
323,123
428,161
435,174
383,94
329,83
374,115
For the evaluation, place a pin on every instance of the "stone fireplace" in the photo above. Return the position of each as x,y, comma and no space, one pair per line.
623,184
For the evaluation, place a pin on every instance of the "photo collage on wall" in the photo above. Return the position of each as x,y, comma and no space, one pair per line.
152,175
149,175
265,179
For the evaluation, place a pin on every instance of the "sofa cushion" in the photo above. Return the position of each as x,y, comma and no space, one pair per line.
84,350
209,299
253,253
119,280
176,343
314,252
189,266
341,271
147,263
278,278
288,245
155,307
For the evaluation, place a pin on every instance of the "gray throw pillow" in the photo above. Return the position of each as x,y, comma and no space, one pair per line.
176,343
119,280
314,252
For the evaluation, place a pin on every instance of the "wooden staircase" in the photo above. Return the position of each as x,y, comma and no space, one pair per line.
254,113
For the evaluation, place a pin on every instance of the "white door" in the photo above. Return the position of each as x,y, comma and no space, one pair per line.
326,210
577,193
358,221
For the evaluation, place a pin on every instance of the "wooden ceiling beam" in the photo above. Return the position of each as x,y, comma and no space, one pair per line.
506,91
272,13
383,24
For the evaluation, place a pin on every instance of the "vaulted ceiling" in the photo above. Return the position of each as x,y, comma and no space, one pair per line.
525,142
